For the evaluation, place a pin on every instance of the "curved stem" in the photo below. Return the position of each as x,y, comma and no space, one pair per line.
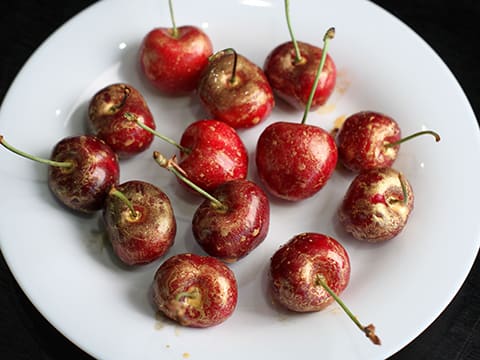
233,79
62,164
173,167
131,117
298,56
115,192
126,94
425,132
369,330
330,34
172,18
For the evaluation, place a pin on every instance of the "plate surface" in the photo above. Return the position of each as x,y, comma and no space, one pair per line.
67,270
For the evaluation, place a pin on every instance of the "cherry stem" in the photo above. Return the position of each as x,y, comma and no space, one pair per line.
404,188
120,195
425,132
233,79
134,118
172,166
298,56
330,34
172,18
126,94
62,164
369,330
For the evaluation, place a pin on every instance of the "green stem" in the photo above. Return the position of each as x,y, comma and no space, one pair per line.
131,117
120,195
172,18
425,132
62,164
298,56
404,189
328,36
171,166
369,330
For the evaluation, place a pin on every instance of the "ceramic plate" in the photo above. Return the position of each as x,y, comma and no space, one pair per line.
67,269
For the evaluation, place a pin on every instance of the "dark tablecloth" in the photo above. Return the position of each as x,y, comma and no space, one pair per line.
451,28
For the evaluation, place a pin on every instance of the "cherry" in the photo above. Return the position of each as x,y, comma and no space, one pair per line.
106,112
309,272
377,205
139,221
235,90
291,71
370,140
211,152
196,291
81,171
173,59
232,221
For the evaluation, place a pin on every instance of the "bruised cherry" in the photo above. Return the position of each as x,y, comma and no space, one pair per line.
235,90
139,221
232,221
370,140
291,70
81,171
309,272
195,291
106,113
377,205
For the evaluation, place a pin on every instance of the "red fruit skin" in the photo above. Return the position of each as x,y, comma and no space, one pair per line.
294,161
293,82
295,266
174,64
362,138
217,154
147,237
212,285
373,208
242,104
106,118
233,233
84,186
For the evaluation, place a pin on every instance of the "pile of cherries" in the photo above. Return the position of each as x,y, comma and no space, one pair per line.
293,160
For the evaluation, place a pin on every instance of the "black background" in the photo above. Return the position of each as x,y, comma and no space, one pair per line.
451,29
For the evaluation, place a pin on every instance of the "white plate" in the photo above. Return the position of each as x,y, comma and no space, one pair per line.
401,286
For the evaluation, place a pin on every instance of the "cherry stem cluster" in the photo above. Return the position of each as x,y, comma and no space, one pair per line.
298,56
120,195
172,18
369,330
131,117
172,166
425,132
330,34
62,164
